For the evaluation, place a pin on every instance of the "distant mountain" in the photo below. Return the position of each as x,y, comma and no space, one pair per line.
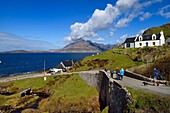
30,51
81,45
155,30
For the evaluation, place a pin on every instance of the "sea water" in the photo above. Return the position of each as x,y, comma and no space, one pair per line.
19,63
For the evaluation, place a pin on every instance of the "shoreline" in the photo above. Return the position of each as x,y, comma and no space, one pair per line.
21,76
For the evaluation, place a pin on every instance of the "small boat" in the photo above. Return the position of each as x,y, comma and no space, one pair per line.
0,61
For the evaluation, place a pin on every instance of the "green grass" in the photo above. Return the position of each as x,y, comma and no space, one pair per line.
107,59
68,93
34,83
74,87
71,93
143,101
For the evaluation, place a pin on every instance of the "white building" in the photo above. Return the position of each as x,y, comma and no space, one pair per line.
145,40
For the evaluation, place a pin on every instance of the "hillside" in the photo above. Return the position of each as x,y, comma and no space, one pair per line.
81,45
155,30
56,95
129,58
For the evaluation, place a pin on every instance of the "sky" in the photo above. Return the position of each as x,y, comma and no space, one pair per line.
52,24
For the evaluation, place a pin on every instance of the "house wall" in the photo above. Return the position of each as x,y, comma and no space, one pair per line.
150,43
132,45
162,39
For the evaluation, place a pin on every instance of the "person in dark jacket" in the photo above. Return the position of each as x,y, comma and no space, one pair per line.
117,73
111,72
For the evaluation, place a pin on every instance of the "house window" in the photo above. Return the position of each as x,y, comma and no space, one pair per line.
128,45
154,43
140,44
153,37
140,38
147,44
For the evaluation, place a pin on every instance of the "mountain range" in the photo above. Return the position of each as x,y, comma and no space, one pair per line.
81,45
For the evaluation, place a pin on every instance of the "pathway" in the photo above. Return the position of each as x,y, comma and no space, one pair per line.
127,81
138,85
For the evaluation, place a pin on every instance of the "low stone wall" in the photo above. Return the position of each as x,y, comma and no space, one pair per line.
90,78
112,94
141,77
118,99
104,90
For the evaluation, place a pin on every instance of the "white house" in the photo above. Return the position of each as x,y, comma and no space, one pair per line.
145,40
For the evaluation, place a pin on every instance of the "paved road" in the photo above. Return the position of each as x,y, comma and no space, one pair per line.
138,85
34,75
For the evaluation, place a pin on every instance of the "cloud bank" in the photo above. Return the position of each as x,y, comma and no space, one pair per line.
113,17
12,42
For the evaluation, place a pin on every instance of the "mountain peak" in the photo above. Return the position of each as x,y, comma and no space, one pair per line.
81,45
80,39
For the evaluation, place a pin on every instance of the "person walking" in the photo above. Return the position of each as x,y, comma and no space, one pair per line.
117,73
121,74
155,76
111,73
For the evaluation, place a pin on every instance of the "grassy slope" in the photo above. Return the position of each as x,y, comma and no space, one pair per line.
19,85
68,92
34,83
71,95
146,102
163,65
155,30
107,59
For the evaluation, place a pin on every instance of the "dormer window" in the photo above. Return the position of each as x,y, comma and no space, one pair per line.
153,37
140,38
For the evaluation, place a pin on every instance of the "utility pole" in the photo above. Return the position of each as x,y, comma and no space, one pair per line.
44,72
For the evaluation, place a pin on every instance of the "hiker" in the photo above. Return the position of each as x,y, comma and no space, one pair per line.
155,76
117,73
121,74
111,73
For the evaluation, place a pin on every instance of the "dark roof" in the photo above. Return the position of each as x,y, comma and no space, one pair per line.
68,63
145,38
149,37
130,40
59,66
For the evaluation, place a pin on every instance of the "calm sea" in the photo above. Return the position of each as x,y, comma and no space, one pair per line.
19,63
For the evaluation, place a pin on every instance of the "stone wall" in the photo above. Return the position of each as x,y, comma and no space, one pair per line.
90,78
141,77
112,94
104,89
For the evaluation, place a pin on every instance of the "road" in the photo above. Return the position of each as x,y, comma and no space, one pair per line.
138,85
34,75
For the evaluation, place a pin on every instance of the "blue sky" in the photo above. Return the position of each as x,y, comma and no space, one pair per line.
51,24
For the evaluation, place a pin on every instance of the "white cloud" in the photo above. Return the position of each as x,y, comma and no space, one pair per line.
124,21
141,31
117,16
165,11
13,42
111,33
145,16
122,38
100,39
